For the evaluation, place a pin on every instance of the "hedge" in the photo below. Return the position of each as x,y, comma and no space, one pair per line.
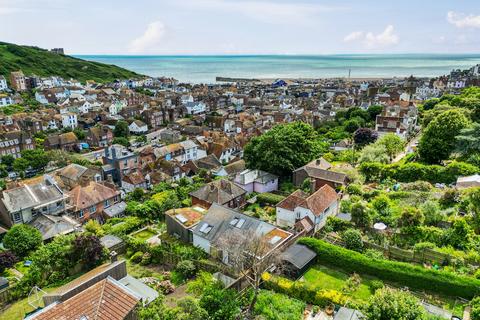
269,198
415,277
414,171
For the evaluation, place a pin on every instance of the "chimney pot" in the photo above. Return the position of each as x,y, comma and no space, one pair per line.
113,256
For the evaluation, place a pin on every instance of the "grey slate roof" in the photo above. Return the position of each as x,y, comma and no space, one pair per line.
298,255
50,225
29,196
219,191
219,219
116,209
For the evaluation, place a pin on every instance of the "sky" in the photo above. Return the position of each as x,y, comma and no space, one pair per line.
203,27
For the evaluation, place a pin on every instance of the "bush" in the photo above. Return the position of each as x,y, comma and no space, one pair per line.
137,257
337,225
186,268
276,306
21,239
353,240
7,260
404,274
475,304
375,285
269,198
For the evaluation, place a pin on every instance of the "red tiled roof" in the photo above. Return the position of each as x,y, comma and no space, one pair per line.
105,300
94,193
316,202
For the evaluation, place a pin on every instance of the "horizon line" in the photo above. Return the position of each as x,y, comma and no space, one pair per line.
267,54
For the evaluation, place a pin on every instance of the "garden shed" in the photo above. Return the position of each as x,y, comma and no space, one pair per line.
297,258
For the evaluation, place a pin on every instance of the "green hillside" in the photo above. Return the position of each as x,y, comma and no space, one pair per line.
41,62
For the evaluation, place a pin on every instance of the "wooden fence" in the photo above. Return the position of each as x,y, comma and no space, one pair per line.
420,256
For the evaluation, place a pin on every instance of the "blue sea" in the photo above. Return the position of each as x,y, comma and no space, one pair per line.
204,69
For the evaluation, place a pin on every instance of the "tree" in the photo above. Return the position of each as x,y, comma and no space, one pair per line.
79,133
7,160
188,308
364,136
121,129
353,240
438,139
392,143
283,148
37,158
220,303
20,165
250,255
21,239
89,250
475,304
391,304
122,141
374,153
361,215
374,110
460,235
468,141
7,260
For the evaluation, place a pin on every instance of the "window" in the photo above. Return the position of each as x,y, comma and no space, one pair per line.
17,217
93,209
80,214
115,199
107,203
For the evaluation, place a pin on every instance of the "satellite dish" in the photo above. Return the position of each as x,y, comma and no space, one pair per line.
380,226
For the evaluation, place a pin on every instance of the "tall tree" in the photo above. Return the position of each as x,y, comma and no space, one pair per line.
21,239
468,141
438,139
121,129
393,144
364,136
283,148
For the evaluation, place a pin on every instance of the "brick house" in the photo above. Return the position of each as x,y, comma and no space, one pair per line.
223,192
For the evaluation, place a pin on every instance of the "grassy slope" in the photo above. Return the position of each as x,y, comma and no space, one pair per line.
33,60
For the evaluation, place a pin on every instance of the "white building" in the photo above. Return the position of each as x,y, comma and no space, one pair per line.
69,120
3,83
195,107
5,101
138,127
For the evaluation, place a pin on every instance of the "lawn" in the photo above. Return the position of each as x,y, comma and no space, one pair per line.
325,278
144,234
18,309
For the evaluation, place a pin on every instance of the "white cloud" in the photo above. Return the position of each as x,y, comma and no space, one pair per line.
460,20
386,38
355,35
149,40
372,41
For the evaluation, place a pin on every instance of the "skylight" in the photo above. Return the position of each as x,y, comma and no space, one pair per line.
181,218
234,222
275,239
205,228
240,223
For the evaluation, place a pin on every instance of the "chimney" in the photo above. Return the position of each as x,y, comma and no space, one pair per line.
318,162
113,256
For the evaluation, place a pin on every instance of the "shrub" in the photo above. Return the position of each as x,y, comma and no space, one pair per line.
146,259
393,304
475,304
186,268
353,240
7,260
277,306
337,225
402,273
375,285
137,257
269,198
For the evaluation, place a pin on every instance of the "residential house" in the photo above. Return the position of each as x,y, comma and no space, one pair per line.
133,181
99,136
3,83
398,119
119,161
181,221
65,141
5,100
23,203
319,172
88,202
75,174
18,81
222,191
69,120
14,142
107,292
257,181
318,206
195,107
138,127
221,224
51,226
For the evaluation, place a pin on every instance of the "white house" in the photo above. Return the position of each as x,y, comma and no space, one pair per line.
138,127
195,107
5,101
3,83
69,120
190,152
257,181
317,207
